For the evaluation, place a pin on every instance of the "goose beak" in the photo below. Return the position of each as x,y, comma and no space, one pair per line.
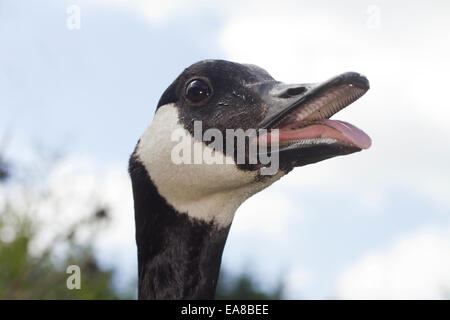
302,112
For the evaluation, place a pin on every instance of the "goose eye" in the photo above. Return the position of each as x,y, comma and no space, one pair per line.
197,90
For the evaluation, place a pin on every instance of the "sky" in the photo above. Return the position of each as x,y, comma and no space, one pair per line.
375,224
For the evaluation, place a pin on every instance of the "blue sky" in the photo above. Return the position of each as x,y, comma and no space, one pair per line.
71,80
326,229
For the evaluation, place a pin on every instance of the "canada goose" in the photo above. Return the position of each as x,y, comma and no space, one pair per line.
183,212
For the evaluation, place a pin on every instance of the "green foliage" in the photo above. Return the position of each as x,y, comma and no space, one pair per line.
28,275
25,274
4,170
244,287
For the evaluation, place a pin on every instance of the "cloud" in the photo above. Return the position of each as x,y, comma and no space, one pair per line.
73,189
403,112
296,282
416,266
82,186
155,11
265,214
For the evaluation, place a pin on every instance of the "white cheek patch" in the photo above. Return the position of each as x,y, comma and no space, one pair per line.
210,192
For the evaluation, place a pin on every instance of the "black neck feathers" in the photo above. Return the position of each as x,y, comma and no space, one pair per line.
178,257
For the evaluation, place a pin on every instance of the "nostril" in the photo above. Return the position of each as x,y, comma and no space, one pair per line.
295,91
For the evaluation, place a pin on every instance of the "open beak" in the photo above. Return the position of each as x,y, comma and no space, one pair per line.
302,114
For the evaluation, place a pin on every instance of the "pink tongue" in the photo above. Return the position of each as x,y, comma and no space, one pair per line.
333,129
355,135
